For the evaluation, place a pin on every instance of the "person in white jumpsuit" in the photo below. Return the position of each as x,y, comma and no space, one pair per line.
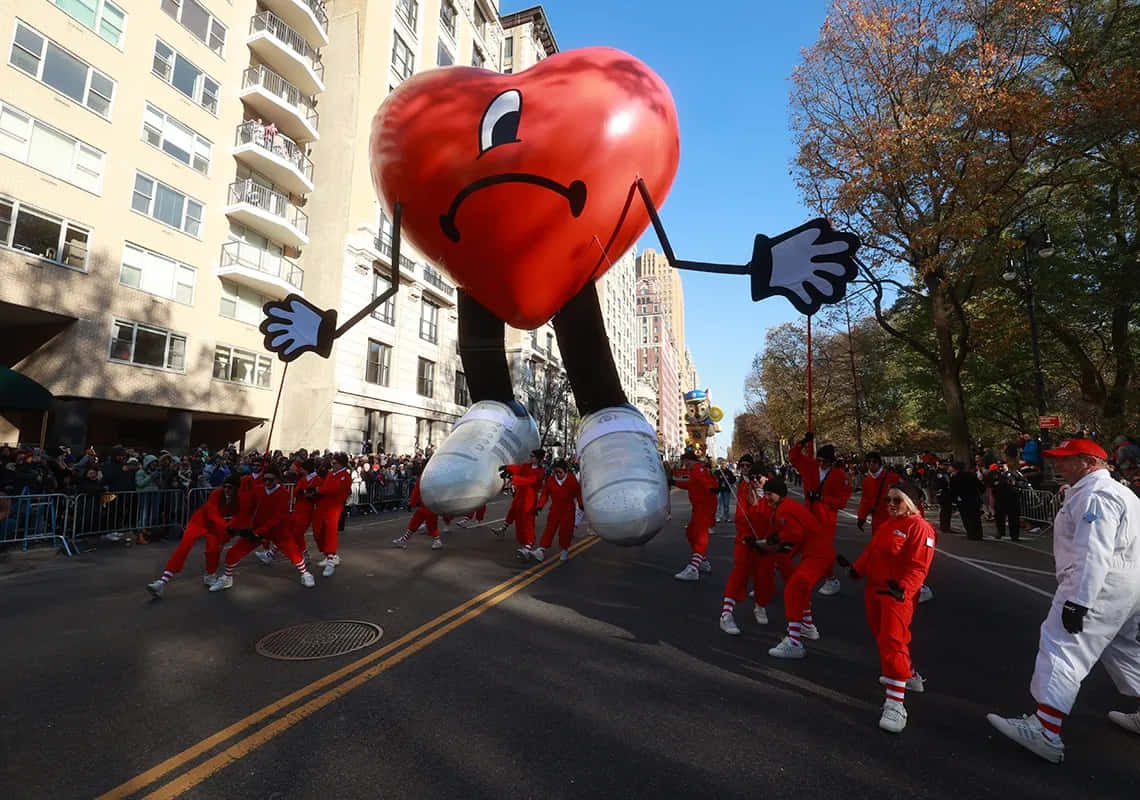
1095,615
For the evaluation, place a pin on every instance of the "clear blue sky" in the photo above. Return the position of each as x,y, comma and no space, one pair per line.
728,71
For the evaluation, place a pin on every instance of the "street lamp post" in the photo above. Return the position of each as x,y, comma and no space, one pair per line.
1045,250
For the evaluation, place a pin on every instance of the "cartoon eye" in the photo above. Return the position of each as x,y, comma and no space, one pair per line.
500,124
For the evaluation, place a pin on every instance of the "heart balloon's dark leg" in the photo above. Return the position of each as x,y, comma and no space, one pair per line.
483,351
586,353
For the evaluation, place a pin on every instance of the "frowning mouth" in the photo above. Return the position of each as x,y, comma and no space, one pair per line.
575,194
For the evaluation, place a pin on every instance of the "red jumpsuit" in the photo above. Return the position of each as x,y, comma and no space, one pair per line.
702,488
564,497
423,514
210,521
248,490
753,519
834,488
900,549
873,501
815,546
526,480
269,519
332,494
303,508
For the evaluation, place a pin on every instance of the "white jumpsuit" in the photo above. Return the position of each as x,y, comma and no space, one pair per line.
1096,546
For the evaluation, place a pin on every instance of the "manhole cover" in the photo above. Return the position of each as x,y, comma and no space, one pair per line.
319,640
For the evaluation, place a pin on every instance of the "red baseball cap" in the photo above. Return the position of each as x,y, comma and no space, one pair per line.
1077,447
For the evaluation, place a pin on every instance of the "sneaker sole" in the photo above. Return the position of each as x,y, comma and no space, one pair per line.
786,655
1000,726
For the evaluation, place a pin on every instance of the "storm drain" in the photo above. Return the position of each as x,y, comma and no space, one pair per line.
319,640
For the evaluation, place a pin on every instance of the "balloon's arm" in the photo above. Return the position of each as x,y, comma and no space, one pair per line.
383,297
810,265
699,266
294,326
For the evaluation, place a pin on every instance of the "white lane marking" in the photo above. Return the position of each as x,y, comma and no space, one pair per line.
1012,566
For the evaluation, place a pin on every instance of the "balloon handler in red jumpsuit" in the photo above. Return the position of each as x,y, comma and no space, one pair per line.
524,189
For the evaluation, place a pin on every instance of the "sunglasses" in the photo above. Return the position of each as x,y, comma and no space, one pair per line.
894,501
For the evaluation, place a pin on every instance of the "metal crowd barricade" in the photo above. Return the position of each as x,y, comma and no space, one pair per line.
1037,505
360,497
36,518
391,494
126,513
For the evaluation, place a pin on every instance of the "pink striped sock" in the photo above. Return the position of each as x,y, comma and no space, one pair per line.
896,689
807,619
695,561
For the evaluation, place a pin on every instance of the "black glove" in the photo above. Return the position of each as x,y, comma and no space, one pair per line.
860,524
894,590
808,437
1073,617
504,472
773,539
751,541
853,574
842,560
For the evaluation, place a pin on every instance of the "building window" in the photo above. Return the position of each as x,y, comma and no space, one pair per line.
403,63
509,47
447,16
39,233
408,11
462,397
534,340
46,61
176,70
429,321
175,139
479,19
159,201
241,303
381,283
378,365
39,145
425,378
157,274
508,71
550,344
377,434
101,16
423,434
476,57
442,56
242,366
147,346
198,20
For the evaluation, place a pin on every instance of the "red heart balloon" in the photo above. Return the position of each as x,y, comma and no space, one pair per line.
522,187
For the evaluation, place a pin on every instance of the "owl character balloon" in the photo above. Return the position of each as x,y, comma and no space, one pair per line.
524,189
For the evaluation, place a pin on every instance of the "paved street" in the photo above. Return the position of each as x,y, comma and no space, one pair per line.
601,676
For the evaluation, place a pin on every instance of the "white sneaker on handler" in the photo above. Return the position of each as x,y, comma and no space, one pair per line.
761,615
788,649
689,573
624,490
893,719
1028,733
728,624
830,587
463,474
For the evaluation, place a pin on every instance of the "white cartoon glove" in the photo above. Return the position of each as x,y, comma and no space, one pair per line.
810,265
295,326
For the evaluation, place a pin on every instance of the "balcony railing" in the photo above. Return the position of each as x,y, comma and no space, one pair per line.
276,27
278,143
276,85
275,203
241,254
385,248
436,280
318,9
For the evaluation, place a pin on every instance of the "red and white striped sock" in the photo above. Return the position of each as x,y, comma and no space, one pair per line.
896,689
408,535
167,575
228,571
1051,720
794,633
695,561
729,606
301,566
807,617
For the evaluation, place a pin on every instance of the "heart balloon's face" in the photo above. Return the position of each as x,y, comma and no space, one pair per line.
522,187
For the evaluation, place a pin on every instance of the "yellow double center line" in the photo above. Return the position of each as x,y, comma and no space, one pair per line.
405,646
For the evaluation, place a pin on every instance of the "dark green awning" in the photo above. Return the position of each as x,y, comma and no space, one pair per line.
21,392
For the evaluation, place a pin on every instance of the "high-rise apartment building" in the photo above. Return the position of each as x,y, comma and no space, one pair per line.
617,289
651,264
154,178
657,356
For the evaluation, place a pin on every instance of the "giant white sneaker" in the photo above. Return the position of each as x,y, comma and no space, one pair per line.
761,615
222,583
156,589
1028,733
915,683
307,579
624,490
728,624
788,649
894,717
925,594
689,573
437,543
830,587
809,632
1130,722
463,474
